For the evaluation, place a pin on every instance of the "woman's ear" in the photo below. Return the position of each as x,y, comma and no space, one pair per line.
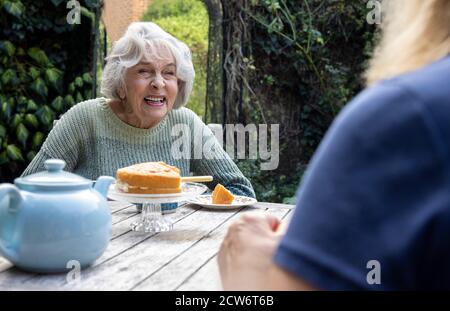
121,93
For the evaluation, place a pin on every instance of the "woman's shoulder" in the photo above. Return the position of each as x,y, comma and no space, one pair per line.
398,109
184,115
83,111
416,92
89,105
429,82
375,106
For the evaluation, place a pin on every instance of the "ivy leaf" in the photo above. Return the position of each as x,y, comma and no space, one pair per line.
87,77
31,120
21,100
22,134
8,76
39,87
2,131
79,98
71,88
31,155
7,47
45,115
17,119
37,140
34,73
6,111
57,103
69,100
14,153
38,55
14,8
79,82
53,76
31,106
320,40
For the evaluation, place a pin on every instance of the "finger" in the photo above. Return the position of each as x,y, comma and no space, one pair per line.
274,222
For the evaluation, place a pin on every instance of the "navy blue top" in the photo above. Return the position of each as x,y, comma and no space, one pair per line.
378,188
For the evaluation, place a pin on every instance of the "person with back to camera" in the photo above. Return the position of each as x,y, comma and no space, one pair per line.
373,209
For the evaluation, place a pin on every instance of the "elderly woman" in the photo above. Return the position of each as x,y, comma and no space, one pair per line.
373,209
147,80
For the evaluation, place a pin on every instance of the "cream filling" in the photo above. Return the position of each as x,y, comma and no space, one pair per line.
125,187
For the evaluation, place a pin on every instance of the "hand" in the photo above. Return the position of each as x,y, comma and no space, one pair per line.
245,256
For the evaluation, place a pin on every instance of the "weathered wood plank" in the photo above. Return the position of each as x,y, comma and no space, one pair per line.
132,266
123,214
273,205
120,212
115,206
131,257
207,276
178,271
123,238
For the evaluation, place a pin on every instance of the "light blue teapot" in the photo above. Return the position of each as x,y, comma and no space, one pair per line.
53,217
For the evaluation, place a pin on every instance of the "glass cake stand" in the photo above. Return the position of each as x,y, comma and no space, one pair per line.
152,219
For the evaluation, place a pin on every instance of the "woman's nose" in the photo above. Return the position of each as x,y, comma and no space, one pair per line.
157,82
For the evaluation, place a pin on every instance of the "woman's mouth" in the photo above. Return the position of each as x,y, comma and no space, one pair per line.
155,101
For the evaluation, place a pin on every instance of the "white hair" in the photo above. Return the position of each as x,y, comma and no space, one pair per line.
133,46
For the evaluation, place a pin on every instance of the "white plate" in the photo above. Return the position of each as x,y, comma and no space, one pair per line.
206,201
188,191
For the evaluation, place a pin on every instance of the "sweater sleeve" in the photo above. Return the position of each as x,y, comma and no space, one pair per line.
216,162
65,141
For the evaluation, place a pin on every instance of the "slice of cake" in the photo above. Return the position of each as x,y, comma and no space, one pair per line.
221,195
149,178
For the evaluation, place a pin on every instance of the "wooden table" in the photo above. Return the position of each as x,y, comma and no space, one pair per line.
182,259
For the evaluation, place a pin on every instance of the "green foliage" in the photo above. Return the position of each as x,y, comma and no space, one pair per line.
171,8
187,20
271,187
307,55
36,75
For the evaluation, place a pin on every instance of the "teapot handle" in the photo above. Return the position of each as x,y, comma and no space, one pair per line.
14,202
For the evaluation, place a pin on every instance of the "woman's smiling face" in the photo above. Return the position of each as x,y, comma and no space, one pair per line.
151,88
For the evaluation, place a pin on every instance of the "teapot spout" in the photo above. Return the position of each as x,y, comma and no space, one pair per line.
102,184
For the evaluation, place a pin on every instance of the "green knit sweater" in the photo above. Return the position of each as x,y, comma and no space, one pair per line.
94,141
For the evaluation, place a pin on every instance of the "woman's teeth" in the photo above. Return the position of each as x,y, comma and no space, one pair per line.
154,100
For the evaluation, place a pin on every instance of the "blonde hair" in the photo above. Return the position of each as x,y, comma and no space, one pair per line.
146,39
415,33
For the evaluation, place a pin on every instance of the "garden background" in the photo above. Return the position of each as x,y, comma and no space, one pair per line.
290,62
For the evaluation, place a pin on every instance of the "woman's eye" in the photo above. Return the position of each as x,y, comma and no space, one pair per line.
169,72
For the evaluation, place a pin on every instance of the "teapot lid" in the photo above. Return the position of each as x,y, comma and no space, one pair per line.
54,178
